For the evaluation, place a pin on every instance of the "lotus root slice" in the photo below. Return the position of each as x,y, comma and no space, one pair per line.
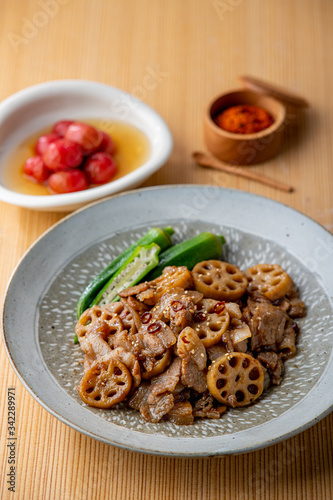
219,280
270,280
236,379
106,383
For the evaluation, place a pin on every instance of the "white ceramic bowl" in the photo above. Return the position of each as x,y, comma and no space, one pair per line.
34,108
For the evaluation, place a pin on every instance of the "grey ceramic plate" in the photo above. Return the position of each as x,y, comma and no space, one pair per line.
39,314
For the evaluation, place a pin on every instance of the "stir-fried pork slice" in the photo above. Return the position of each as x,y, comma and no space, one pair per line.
189,346
212,413
204,407
273,364
138,306
151,341
205,402
216,351
130,361
287,346
181,312
266,322
139,397
95,348
149,346
167,381
239,333
100,327
177,306
181,389
291,304
192,377
123,339
181,413
134,290
233,310
158,329
153,412
160,406
267,378
182,393
147,363
297,307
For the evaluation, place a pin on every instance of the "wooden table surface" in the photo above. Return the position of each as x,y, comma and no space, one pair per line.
194,50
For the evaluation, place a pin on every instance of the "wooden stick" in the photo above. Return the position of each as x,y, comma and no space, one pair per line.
206,160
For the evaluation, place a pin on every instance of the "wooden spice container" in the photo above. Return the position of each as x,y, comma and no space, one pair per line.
249,149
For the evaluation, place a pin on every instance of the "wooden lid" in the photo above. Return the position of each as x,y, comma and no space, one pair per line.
279,93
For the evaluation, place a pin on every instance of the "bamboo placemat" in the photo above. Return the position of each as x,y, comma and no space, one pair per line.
175,56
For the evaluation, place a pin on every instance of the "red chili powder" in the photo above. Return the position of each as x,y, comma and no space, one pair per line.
244,119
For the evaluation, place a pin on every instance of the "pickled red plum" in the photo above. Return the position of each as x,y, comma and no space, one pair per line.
62,154
35,167
61,127
72,157
87,136
100,168
68,181
107,144
43,142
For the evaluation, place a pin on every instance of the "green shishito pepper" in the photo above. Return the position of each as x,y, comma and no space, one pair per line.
162,237
137,266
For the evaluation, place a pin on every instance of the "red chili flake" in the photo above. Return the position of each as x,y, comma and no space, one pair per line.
201,316
184,339
154,327
177,305
219,307
145,318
